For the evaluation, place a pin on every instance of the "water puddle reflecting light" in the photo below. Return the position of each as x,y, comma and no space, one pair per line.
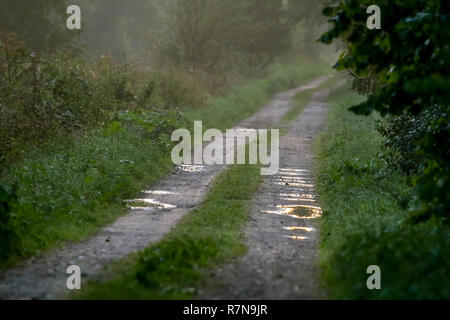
297,211
161,193
296,237
299,229
191,168
152,204
292,170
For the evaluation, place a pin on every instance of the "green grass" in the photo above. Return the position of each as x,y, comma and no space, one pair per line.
363,223
205,237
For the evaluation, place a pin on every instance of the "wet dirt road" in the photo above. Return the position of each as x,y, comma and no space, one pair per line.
166,202
283,233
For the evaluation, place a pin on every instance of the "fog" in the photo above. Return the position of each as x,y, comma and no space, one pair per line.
206,35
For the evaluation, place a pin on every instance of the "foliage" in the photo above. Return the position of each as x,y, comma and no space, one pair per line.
228,37
363,222
120,29
409,61
401,133
172,89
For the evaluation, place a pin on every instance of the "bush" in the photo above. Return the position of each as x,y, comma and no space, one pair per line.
399,147
65,192
75,141
406,67
402,136
8,237
58,95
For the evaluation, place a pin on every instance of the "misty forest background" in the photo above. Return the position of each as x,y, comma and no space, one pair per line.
86,118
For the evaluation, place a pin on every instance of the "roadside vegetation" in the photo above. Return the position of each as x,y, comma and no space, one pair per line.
365,221
403,68
384,186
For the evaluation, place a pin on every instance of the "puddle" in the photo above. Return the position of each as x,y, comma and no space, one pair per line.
292,170
296,237
161,193
297,182
297,211
293,184
302,210
297,199
291,178
148,204
191,168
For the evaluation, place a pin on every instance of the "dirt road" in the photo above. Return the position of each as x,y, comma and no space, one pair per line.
166,202
282,236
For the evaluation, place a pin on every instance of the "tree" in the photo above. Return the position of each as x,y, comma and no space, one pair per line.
404,68
40,24
224,34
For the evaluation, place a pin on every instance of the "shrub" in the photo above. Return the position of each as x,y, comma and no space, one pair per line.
403,134
8,237
408,59
399,147
43,97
